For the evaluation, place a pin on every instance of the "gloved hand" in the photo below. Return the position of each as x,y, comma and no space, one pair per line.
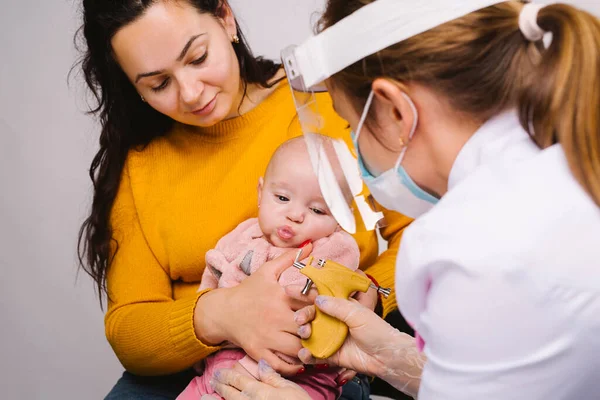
368,299
372,347
232,385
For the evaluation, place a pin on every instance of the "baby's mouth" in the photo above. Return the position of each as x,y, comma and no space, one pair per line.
285,233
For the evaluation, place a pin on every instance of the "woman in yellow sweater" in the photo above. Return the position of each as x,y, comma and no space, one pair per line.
189,121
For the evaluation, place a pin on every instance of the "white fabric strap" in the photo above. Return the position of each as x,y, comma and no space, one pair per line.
373,28
528,22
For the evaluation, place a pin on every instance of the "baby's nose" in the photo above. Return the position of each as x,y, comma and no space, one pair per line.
296,216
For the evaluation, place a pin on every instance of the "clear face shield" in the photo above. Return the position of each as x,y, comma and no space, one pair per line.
370,29
333,162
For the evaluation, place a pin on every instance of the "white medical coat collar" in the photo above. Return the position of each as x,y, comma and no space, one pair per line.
494,136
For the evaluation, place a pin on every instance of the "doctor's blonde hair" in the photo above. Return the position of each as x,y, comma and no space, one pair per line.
482,64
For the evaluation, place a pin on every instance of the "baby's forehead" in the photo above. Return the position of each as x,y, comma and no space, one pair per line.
292,147
294,173
292,158
291,153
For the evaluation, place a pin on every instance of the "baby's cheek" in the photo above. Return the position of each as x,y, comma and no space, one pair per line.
332,225
324,228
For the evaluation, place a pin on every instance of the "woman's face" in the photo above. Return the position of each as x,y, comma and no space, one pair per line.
182,62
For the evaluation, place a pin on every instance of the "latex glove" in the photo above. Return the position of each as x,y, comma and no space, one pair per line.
256,315
368,299
232,385
372,347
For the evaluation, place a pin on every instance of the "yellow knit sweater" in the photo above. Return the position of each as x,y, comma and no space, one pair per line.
176,199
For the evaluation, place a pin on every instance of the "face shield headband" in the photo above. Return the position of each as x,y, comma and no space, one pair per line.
370,29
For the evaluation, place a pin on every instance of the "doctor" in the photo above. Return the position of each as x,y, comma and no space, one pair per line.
468,120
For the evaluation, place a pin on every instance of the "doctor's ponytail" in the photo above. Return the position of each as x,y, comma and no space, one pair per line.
562,101
482,64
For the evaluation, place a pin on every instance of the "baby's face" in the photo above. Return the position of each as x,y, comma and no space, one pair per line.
291,206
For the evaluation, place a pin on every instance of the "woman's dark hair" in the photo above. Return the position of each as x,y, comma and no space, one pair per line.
127,122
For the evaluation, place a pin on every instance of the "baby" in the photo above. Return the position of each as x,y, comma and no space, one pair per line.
291,211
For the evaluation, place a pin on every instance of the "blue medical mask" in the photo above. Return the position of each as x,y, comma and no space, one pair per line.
394,189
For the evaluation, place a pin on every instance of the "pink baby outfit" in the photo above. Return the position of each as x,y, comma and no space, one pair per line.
236,256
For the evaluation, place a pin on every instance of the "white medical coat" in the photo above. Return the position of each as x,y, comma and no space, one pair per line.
502,277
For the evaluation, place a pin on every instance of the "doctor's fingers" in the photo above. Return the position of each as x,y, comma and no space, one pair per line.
280,388
351,312
288,323
273,386
305,331
281,366
234,386
305,315
230,384
307,358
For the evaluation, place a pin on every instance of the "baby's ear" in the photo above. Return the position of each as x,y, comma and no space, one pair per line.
259,188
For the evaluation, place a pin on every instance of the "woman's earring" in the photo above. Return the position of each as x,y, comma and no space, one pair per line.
142,97
235,38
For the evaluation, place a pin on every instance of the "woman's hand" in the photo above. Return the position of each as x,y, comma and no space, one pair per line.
256,315
373,346
232,385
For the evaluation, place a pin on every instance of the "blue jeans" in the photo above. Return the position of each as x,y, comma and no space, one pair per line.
357,389
132,387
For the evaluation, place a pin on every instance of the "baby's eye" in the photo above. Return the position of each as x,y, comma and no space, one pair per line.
318,211
282,198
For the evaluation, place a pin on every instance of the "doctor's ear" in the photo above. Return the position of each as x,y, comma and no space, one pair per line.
393,107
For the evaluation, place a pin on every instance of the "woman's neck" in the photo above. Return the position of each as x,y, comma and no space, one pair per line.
253,95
